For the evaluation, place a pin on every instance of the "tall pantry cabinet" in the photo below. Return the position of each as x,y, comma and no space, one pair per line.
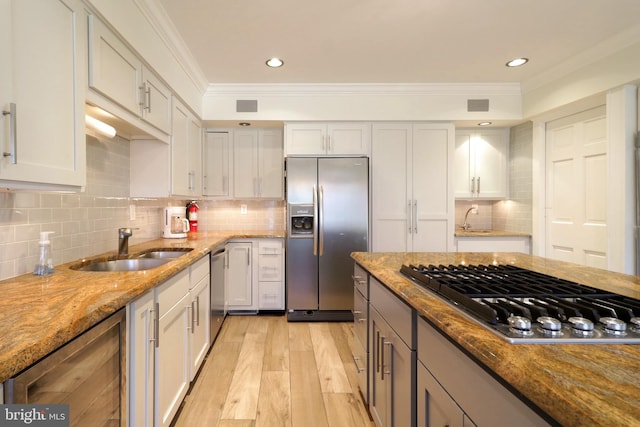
412,203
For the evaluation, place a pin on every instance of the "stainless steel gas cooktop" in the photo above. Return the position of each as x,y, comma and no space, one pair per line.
524,306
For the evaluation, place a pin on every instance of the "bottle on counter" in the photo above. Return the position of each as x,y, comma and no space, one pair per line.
45,260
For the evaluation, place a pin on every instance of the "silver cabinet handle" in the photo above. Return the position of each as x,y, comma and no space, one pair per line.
478,186
389,371
193,316
377,351
329,143
13,133
198,310
248,256
415,216
410,209
355,362
156,324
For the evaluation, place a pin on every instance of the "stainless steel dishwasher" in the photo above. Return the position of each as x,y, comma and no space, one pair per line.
218,292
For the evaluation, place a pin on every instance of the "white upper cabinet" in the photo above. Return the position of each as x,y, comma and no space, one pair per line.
258,164
481,158
42,88
328,139
216,155
120,75
186,149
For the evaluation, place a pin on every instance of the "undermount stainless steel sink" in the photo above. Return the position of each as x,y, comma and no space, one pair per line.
164,253
147,260
135,264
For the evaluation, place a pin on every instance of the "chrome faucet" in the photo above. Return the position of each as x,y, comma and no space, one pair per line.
123,240
465,226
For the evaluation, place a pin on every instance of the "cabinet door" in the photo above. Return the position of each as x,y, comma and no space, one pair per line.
481,159
172,367
142,329
239,276
245,164
433,201
114,70
390,375
42,91
186,145
271,164
435,406
305,139
216,155
490,149
199,328
348,138
156,101
391,145
463,186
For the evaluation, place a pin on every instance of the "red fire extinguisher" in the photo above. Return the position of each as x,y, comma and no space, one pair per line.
192,215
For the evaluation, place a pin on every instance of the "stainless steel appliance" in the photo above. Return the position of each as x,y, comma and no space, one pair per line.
524,306
87,374
218,292
328,218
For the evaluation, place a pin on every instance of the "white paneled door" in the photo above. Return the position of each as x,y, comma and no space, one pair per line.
576,209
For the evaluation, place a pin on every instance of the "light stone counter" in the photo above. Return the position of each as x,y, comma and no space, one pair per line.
39,314
575,384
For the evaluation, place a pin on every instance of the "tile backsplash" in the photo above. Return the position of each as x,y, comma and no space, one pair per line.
86,223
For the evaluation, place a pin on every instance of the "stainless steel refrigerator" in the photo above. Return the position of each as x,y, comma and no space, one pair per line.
327,219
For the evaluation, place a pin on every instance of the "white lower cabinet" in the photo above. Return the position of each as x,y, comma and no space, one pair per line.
255,274
453,390
361,329
168,339
520,244
391,374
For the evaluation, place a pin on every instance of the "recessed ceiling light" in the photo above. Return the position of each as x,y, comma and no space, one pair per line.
244,124
517,62
275,62
485,124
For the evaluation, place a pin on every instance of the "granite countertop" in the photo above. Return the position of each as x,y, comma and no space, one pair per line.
488,233
575,384
39,314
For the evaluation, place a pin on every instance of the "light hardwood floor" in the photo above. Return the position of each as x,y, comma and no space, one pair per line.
265,371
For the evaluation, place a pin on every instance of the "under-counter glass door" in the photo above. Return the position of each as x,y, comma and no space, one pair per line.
87,374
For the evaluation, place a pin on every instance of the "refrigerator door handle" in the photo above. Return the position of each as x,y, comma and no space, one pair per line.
315,221
321,219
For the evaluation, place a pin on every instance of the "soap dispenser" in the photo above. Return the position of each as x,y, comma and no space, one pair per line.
45,261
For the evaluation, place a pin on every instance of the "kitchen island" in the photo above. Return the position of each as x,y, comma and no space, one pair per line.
573,384
39,314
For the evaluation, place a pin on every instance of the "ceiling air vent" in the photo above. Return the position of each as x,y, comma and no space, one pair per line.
246,106
477,105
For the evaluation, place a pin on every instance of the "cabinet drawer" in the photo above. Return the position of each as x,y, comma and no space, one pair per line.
199,270
392,309
172,290
360,315
360,360
270,247
270,268
361,280
271,296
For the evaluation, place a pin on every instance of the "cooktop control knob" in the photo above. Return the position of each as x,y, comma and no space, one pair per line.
550,326
634,324
581,326
614,326
520,325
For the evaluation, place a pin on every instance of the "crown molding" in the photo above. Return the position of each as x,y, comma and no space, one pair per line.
166,30
301,89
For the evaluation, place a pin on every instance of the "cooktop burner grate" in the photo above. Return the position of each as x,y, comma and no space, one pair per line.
527,306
